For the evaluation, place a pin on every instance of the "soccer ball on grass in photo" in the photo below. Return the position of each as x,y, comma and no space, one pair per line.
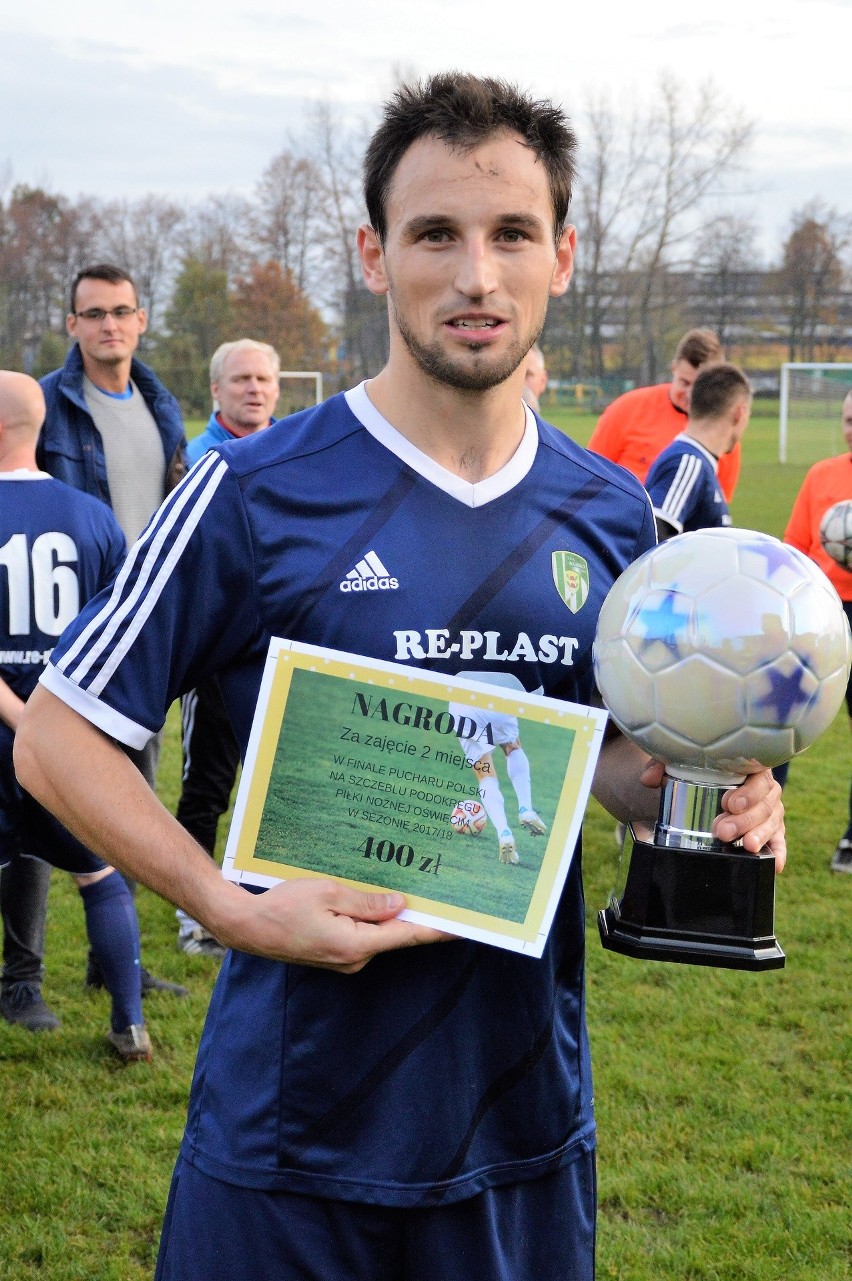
468,818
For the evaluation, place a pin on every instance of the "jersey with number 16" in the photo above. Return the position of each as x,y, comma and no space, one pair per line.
58,548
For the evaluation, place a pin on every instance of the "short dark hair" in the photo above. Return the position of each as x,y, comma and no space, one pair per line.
102,271
716,389
463,110
698,346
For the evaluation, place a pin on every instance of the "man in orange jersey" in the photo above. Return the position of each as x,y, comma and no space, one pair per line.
828,482
638,426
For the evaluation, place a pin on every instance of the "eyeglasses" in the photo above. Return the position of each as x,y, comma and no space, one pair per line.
100,313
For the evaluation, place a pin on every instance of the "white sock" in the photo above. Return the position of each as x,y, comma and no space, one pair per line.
492,799
518,766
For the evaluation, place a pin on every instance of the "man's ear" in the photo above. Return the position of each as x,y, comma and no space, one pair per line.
741,412
564,262
372,260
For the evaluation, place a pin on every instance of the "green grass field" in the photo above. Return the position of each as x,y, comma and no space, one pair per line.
723,1097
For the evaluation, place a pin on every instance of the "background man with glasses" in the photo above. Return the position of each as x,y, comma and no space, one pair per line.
114,431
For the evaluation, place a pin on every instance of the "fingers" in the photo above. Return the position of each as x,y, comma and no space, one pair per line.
653,773
361,905
327,924
754,813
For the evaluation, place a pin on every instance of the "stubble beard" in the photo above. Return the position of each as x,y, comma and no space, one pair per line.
434,361
107,358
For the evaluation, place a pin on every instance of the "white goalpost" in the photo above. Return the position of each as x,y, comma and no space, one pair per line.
812,394
313,374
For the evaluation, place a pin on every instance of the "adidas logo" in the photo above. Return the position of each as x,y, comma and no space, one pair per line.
369,575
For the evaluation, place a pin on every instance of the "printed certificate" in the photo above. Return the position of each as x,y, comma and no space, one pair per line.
370,772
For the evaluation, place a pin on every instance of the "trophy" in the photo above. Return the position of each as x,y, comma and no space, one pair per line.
716,652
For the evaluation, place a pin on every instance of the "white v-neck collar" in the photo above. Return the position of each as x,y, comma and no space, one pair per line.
484,491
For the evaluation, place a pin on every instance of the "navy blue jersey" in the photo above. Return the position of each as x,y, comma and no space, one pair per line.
58,548
435,1071
684,489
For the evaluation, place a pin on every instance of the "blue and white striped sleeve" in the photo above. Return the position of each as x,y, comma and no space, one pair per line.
674,495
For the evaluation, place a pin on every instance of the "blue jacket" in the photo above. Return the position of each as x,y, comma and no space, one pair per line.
212,435
70,446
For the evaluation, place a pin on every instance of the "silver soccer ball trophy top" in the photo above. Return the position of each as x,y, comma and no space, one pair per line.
716,652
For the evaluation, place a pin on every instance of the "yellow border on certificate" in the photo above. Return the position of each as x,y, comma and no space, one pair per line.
407,682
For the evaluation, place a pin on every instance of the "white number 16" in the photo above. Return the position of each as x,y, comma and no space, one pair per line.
55,589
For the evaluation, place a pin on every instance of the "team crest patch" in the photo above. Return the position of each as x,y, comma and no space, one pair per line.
571,576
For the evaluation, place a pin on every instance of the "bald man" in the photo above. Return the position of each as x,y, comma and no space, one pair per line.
58,548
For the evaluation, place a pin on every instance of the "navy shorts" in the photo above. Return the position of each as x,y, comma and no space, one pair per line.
540,1230
27,828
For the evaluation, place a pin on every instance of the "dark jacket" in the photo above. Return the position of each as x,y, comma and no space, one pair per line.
70,446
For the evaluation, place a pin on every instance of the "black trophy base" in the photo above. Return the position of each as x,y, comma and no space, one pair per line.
696,908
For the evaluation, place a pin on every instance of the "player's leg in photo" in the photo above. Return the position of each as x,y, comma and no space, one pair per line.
499,728
494,805
520,776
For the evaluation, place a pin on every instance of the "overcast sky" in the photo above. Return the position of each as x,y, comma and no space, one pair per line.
112,99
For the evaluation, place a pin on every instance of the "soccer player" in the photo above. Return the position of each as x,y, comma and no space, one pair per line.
113,431
57,548
503,733
638,425
387,1102
244,384
683,482
828,482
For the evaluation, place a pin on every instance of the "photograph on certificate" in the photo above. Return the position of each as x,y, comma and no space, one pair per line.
464,794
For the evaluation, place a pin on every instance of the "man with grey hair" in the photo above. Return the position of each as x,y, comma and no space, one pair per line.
244,384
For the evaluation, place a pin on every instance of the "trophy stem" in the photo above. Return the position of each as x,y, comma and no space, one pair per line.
686,814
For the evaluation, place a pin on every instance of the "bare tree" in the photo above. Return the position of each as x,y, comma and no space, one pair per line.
725,262
142,236
812,275
695,145
214,233
613,160
638,203
286,216
36,236
338,154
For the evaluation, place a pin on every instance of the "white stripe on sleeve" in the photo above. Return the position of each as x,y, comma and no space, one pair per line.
205,478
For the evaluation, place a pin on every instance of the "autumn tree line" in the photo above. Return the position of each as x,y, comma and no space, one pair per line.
658,251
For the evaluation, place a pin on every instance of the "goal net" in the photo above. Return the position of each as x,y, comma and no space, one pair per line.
811,400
